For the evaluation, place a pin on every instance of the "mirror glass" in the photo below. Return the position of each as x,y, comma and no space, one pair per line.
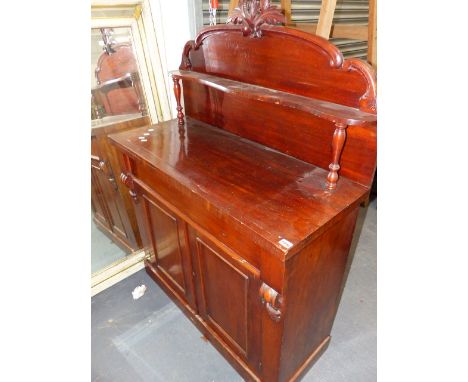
117,103
116,91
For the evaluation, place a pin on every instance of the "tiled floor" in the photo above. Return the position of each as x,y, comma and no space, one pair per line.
151,340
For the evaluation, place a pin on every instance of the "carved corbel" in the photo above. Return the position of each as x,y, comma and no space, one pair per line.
272,300
367,102
127,180
186,64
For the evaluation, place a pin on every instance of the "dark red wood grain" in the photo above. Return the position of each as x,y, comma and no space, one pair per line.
233,175
312,68
246,226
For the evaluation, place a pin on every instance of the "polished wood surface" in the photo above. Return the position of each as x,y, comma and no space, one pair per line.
233,174
314,279
247,206
312,68
326,110
112,208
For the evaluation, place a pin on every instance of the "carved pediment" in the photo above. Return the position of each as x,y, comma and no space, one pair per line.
253,14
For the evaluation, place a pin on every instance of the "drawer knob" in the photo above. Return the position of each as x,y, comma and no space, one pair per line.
127,179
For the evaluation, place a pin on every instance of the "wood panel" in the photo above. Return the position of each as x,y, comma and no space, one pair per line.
315,69
104,199
224,298
285,59
228,297
328,111
314,279
170,256
98,199
165,236
224,173
297,134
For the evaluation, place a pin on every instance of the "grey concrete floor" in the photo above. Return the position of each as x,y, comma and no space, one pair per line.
103,250
151,340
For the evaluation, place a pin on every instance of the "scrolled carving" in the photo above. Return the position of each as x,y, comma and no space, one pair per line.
186,64
367,102
252,14
127,180
272,300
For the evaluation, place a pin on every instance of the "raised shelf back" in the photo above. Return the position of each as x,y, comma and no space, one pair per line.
291,61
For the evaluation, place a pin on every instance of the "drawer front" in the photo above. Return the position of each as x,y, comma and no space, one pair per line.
170,257
228,296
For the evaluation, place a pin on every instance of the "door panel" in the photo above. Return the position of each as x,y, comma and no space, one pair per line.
107,204
228,297
113,200
98,199
166,242
170,254
225,291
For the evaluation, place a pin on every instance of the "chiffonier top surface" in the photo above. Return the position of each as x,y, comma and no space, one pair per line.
275,195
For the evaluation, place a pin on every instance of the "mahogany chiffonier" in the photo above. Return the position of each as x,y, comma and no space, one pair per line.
248,200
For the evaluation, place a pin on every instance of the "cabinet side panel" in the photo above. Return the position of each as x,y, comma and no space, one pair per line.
314,279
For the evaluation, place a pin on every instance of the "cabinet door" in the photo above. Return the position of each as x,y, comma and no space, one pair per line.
228,297
98,197
170,258
105,198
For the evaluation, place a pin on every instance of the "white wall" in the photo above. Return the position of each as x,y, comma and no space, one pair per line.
174,27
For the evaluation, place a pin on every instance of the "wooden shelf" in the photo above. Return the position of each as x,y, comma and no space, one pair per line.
327,110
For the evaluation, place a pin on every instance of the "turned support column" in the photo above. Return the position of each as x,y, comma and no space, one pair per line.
180,114
339,137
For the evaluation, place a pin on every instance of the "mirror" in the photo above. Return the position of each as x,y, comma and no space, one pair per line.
117,103
116,91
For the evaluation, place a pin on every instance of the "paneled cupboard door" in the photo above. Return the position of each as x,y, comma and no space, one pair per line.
170,257
228,297
104,197
98,198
